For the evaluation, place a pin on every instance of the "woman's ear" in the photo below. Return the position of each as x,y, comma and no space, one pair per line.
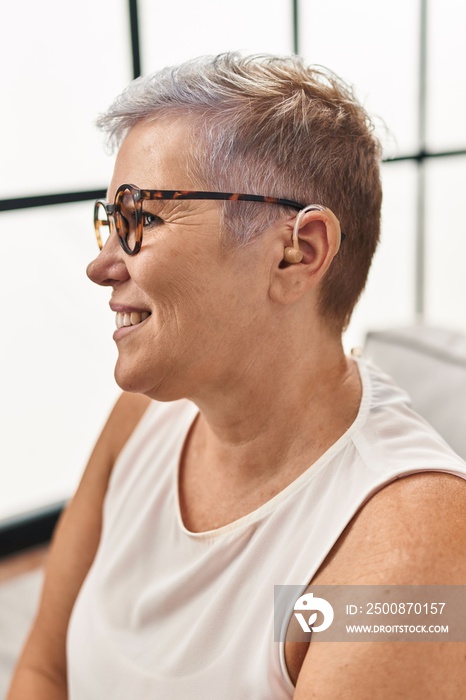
315,238
304,228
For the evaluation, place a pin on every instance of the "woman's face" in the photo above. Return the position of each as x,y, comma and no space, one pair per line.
206,303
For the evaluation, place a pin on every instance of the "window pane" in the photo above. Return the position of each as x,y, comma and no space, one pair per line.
446,85
446,243
388,300
373,46
56,355
212,27
68,61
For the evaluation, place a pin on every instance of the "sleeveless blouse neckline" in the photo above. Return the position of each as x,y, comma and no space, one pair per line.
262,511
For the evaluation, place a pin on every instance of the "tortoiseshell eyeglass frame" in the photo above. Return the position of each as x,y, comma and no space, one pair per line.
138,196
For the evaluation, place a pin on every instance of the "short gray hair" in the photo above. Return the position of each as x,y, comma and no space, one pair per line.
273,126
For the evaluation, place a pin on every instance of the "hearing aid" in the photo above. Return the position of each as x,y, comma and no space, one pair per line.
292,254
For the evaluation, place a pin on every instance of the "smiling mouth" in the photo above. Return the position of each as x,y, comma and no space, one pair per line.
132,319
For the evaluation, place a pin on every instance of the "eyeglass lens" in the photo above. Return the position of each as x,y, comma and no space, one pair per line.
102,225
123,220
127,217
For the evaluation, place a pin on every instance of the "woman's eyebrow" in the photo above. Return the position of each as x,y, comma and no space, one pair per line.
160,205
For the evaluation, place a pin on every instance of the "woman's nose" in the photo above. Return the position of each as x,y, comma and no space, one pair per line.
109,267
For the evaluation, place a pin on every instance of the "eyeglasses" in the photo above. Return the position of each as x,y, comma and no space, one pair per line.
126,217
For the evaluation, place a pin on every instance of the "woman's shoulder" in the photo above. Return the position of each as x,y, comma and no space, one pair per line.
72,551
122,421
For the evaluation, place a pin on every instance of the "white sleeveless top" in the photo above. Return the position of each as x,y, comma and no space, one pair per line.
169,614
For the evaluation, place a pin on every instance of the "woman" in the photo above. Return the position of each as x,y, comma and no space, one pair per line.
246,443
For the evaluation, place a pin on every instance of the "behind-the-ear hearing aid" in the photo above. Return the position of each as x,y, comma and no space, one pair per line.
292,254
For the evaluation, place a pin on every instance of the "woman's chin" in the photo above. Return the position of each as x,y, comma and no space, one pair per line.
138,381
128,379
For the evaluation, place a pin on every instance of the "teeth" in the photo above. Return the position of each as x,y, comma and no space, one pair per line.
132,319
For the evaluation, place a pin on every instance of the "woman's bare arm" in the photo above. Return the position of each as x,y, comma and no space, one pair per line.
41,669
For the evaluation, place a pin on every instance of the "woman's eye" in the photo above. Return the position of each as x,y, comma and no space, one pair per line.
150,219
